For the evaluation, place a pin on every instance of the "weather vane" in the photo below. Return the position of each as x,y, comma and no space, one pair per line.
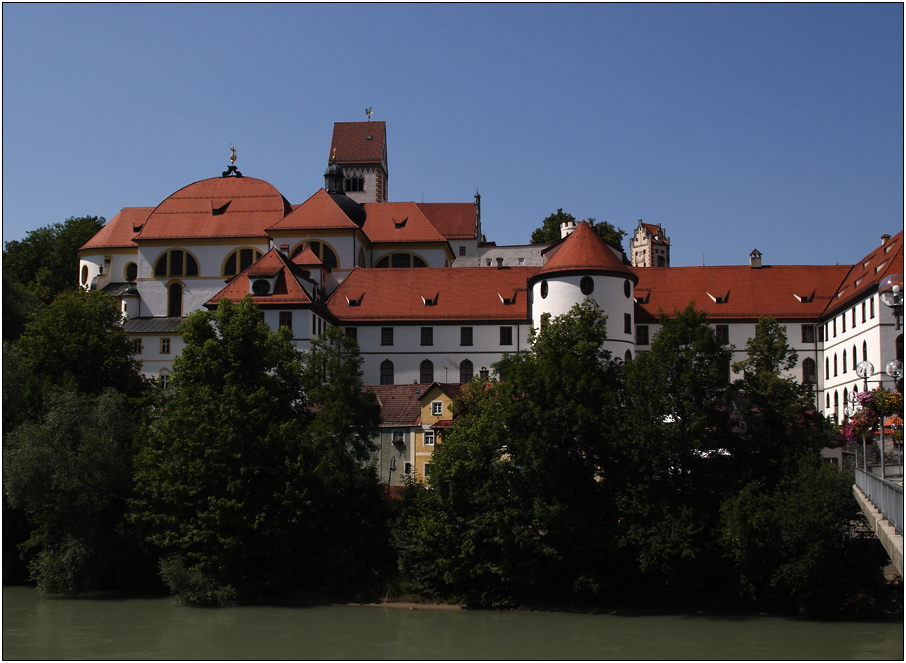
368,113
232,154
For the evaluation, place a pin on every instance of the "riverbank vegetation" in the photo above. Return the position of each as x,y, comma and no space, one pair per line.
570,478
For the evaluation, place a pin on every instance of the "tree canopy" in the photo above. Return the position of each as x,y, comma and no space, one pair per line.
549,232
47,259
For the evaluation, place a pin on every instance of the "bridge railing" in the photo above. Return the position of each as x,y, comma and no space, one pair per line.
885,495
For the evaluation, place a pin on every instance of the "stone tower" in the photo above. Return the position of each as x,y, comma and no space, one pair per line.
360,149
649,246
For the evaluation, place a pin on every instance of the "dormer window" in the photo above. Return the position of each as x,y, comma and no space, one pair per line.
217,211
400,224
507,301
642,298
719,299
355,302
430,301
805,299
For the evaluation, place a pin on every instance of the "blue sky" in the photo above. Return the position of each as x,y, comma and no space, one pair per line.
776,127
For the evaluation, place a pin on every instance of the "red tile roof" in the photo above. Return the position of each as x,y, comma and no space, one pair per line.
307,258
398,222
653,230
353,145
399,403
319,212
452,220
287,289
749,293
217,207
119,231
462,294
584,251
868,273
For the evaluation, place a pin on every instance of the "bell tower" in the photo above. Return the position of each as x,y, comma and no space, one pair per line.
649,246
360,150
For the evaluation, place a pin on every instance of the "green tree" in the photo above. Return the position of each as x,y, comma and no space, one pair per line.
777,417
19,304
549,232
70,473
675,464
242,483
47,259
520,499
78,341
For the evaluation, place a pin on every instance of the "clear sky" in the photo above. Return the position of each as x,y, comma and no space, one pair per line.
736,127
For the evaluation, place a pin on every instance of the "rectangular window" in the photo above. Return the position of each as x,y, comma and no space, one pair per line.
437,408
627,323
465,336
136,346
427,335
386,335
427,469
522,262
723,333
462,250
821,332
407,468
398,437
429,438
286,319
165,346
175,263
863,311
506,336
808,333
353,333
641,334
871,308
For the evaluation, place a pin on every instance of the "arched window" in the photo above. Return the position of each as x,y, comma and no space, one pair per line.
855,359
174,300
176,263
587,285
835,364
326,254
240,260
846,395
164,378
426,372
844,361
628,356
808,370
466,370
826,369
836,404
864,350
84,274
131,271
400,260
386,372
827,401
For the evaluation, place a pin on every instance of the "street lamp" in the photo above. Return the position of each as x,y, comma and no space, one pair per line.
864,369
891,293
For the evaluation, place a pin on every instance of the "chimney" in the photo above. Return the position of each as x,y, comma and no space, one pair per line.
755,259
499,263
566,229
284,249
884,239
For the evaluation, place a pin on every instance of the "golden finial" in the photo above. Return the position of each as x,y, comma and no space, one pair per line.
333,156
368,113
232,154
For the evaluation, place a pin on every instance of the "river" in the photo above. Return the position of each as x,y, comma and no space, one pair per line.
158,628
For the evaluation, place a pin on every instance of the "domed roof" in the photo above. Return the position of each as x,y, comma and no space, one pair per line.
217,207
584,251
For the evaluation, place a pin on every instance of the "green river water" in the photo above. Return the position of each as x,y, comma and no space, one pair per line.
159,628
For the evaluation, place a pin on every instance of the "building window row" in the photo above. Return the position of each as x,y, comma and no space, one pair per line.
426,371
176,262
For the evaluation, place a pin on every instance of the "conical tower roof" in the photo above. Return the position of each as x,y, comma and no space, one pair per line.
584,251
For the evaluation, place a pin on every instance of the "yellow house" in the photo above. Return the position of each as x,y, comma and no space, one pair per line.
436,416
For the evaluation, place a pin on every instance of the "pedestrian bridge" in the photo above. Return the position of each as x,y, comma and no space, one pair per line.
882,503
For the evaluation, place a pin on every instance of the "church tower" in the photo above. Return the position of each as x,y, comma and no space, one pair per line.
360,149
649,246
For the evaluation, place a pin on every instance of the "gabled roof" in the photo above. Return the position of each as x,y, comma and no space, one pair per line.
453,390
867,274
438,294
584,251
452,220
217,207
738,291
353,145
307,258
400,223
287,290
655,231
119,231
319,212
399,403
